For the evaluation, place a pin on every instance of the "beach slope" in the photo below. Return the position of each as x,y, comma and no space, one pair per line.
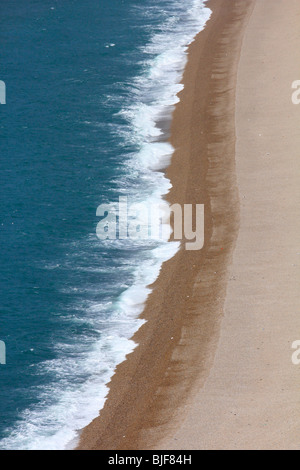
251,399
213,367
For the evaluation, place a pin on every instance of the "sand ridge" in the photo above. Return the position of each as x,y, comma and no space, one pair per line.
178,343
251,399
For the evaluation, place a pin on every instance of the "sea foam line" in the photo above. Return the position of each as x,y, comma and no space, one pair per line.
154,94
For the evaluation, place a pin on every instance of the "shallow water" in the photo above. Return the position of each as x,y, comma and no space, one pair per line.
87,85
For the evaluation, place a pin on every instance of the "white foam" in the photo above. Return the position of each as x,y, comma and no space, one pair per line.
83,371
133,299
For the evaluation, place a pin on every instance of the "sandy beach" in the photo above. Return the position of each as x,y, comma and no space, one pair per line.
213,366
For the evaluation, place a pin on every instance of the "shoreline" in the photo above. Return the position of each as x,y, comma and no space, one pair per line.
148,390
250,401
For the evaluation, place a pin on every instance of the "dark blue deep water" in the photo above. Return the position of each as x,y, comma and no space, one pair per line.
85,82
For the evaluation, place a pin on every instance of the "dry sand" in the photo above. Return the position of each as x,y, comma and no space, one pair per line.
213,367
251,399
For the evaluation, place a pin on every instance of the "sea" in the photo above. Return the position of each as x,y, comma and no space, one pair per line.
90,89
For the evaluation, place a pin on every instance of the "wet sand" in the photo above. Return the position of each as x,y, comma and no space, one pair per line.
251,399
213,366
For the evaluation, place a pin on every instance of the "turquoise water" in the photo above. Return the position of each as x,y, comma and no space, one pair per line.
87,81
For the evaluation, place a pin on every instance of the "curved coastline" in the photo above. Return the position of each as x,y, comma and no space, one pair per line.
177,344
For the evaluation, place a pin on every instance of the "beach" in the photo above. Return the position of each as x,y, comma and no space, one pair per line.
213,368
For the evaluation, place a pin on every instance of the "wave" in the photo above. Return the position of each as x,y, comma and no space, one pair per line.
80,373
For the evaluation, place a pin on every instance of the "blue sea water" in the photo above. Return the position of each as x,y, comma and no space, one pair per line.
87,83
